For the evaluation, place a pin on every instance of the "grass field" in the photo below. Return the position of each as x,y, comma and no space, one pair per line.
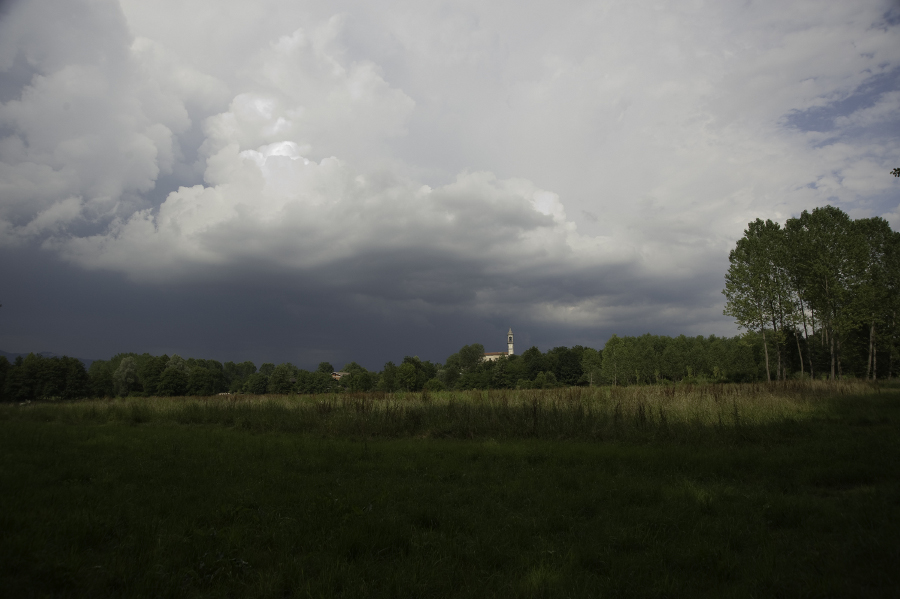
746,491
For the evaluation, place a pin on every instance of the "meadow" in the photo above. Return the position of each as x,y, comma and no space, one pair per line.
762,490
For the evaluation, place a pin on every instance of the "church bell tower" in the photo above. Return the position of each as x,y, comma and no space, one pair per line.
509,341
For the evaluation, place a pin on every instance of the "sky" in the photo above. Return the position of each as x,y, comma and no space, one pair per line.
297,181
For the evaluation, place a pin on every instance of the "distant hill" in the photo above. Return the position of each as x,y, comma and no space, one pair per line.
44,354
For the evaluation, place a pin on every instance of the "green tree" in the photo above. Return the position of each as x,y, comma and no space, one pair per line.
176,362
591,364
173,382
256,384
4,369
797,245
502,376
566,364
100,379
149,370
470,356
77,383
751,283
892,308
451,371
831,271
422,371
325,367
315,382
612,360
545,380
125,377
282,379
388,382
202,381
872,299
236,374
353,368
406,376
361,381
535,362
515,369
19,386
174,379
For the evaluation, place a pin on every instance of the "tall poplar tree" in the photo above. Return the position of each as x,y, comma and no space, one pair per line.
833,269
797,247
872,299
751,286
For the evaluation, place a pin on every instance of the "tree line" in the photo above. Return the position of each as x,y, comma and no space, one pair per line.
624,361
823,287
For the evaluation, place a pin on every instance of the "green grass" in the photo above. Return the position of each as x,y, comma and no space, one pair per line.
639,492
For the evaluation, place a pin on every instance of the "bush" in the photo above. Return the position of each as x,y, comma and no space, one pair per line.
434,385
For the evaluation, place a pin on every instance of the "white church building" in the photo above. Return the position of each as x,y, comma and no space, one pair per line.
495,355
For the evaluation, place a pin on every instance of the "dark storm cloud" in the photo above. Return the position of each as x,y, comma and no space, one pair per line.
257,318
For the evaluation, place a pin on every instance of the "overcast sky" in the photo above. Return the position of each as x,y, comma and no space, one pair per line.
348,180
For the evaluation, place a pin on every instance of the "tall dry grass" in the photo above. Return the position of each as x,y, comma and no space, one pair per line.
639,412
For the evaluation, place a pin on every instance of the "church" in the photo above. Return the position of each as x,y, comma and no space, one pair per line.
495,355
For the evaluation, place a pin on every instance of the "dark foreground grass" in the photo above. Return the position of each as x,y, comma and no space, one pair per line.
146,506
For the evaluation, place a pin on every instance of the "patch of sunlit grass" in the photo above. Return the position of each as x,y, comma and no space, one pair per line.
678,411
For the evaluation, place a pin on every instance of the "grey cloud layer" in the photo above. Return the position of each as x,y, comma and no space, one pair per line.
586,166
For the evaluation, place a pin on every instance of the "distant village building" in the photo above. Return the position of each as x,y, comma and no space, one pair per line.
339,375
496,355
